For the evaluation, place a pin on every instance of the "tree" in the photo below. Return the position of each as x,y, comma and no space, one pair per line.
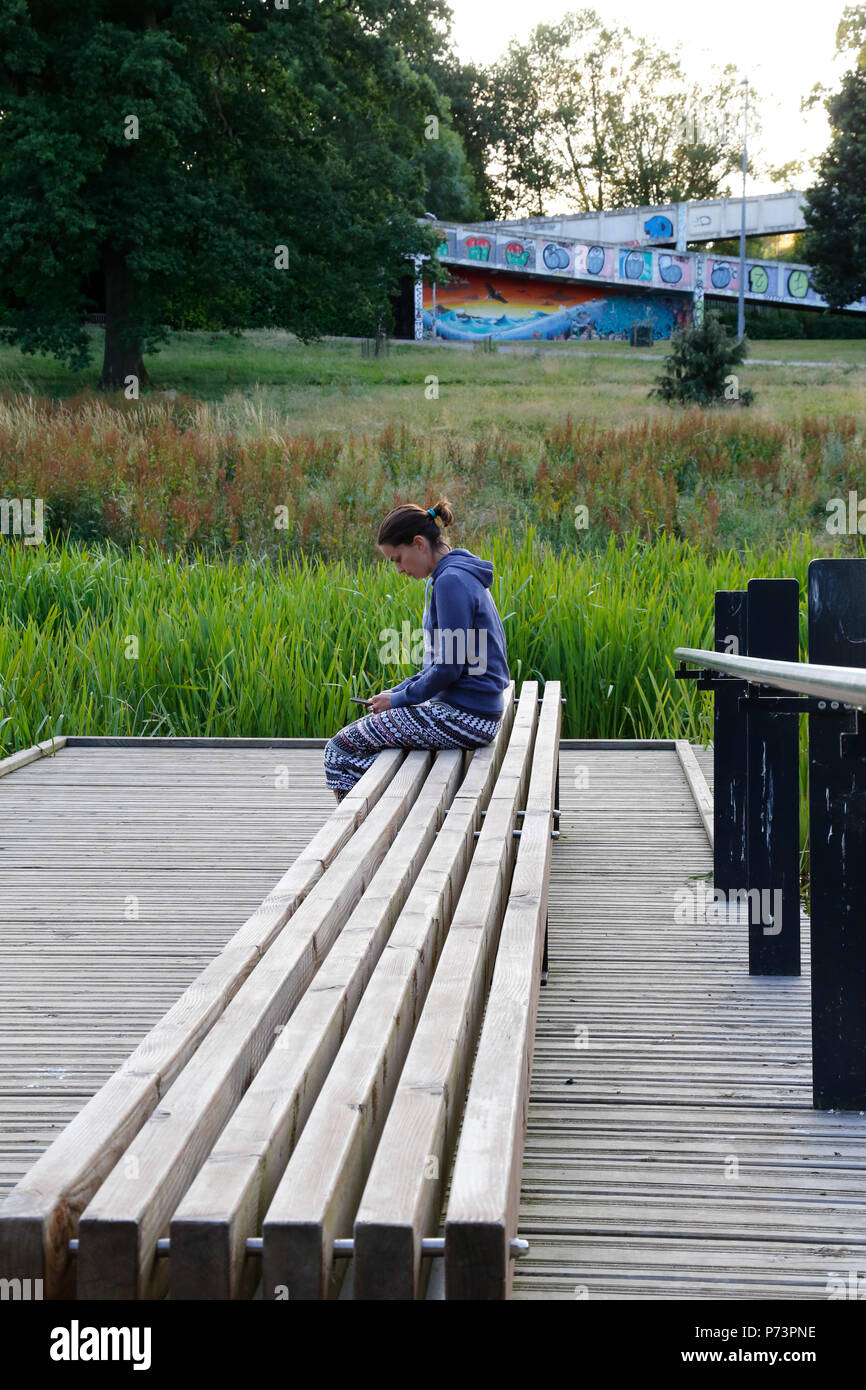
697,370
599,118
450,185
475,116
835,207
261,157
851,33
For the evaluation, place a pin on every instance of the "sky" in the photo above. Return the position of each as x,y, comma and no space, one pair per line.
783,50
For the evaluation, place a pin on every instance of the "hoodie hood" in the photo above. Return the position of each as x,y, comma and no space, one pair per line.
482,570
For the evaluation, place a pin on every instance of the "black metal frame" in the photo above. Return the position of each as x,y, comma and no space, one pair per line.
756,804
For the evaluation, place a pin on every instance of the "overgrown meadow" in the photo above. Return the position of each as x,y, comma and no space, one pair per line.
204,570
184,475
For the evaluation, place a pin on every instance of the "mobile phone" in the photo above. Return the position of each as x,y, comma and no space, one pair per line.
357,700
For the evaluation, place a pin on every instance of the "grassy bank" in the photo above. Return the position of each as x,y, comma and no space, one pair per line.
329,388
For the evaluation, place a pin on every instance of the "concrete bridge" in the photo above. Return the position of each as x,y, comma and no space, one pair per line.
672,224
595,275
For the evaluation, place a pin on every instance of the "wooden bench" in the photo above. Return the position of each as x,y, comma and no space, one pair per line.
301,1100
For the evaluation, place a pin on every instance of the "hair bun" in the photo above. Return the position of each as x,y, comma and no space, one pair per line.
443,511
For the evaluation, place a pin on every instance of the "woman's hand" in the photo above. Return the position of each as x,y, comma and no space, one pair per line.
378,703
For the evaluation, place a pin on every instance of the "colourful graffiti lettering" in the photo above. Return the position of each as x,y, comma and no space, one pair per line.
758,279
516,253
478,248
669,271
595,260
635,265
556,257
659,226
798,284
720,276
443,248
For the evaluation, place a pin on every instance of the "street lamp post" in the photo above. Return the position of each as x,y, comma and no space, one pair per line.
741,300
418,258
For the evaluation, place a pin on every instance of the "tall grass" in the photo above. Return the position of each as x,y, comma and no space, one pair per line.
197,479
95,641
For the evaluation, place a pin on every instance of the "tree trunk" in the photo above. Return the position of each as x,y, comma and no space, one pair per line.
122,358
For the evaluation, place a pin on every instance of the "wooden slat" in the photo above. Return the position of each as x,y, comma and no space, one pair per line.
47,748
698,784
402,1199
119,1228
318,1195
40,1215
485,1184
228,1199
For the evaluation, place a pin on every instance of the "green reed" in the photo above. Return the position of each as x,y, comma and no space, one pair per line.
94,640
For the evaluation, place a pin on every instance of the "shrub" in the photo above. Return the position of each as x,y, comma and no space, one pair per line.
698,368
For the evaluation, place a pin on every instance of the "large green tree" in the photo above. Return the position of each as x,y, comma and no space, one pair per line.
835,210
594,117
260,158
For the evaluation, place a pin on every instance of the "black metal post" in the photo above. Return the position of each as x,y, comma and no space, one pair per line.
837,843
729,748
773,791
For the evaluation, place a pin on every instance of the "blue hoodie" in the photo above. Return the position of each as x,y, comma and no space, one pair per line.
465,658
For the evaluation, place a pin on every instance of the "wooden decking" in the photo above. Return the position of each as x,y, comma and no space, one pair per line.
672,1149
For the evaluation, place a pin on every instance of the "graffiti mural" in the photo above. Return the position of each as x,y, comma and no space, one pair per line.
605,268
636,265
659,226
479,304
518,254
476,248
799,284
556,257
771,279
674,270
448,243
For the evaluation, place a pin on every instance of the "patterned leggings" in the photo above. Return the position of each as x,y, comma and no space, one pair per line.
352,751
